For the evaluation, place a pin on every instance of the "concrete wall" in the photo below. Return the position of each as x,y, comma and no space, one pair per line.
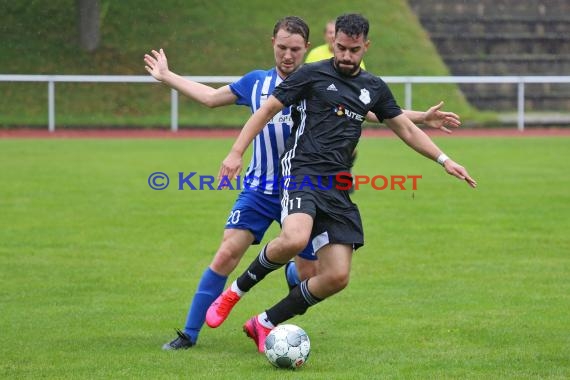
502,37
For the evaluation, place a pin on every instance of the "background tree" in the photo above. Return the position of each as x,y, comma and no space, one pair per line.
88,21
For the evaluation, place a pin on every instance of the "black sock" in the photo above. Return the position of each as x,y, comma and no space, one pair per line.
257,271
297,302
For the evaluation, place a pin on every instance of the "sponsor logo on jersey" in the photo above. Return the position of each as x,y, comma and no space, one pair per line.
341,110
280,118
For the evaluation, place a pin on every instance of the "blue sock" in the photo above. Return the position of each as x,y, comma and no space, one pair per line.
291,274
210,287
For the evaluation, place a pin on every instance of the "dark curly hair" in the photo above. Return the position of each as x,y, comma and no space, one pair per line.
352,24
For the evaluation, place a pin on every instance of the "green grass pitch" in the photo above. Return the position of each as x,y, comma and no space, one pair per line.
97,269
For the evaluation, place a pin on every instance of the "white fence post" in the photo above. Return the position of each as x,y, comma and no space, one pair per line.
520,105
173,110
51,106
408,95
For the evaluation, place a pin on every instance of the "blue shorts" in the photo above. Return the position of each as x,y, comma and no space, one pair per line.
255,211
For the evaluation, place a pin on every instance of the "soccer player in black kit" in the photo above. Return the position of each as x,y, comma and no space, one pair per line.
332,99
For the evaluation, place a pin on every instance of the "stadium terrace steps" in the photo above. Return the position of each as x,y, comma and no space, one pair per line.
502,37
535,24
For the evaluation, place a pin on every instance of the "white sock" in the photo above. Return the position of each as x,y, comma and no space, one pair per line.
263,321
236,290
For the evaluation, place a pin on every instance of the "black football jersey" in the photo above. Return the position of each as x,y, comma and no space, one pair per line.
329,109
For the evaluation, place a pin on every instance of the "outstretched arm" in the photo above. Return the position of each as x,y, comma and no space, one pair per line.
157,66
232,164
421,143
433,118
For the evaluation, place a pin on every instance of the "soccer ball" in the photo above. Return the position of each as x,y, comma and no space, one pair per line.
287,346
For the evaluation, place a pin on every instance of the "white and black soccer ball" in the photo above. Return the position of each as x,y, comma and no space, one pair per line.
287,346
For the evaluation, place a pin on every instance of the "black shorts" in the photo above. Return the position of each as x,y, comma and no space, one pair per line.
336,219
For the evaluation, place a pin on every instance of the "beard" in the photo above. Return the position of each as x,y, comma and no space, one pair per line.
347,68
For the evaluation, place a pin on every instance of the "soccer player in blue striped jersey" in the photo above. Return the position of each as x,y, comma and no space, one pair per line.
258,205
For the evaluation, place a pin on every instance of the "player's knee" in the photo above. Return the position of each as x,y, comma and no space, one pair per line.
227,256
306,269
294,243
339,281
226,253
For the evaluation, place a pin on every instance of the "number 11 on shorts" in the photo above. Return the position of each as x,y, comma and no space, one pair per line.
292,203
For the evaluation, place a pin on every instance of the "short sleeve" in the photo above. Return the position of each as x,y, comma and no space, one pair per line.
243,87
386,106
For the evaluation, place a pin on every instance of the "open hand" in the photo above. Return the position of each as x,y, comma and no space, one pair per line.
156,64
459,171
231,166
435,118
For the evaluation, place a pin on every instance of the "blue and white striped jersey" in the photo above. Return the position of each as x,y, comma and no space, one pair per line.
252,90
